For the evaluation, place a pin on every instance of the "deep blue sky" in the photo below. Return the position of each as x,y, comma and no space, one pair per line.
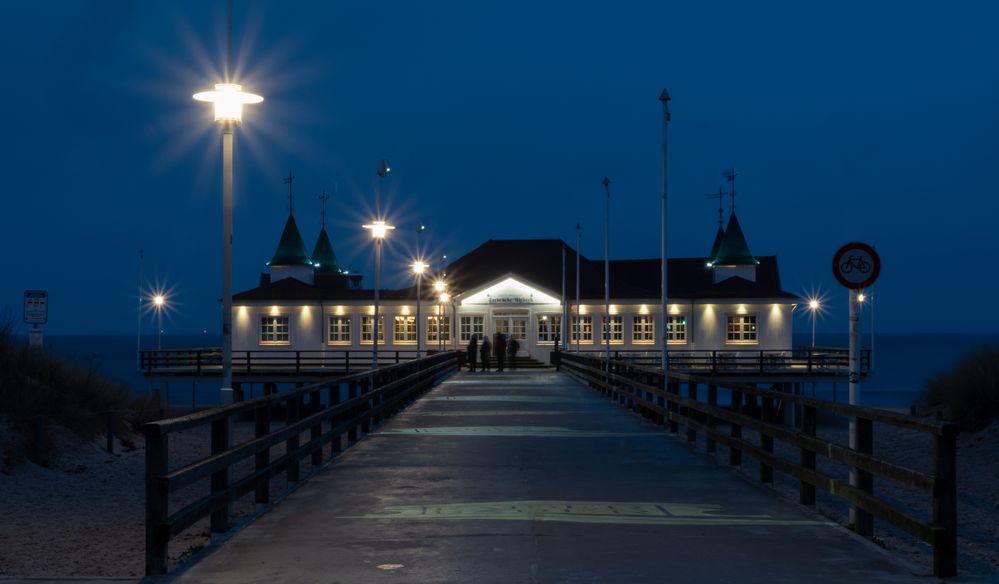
870,121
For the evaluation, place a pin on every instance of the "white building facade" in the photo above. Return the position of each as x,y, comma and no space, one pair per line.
729,301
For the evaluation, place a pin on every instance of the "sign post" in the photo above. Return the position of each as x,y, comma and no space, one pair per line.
36,312
856,266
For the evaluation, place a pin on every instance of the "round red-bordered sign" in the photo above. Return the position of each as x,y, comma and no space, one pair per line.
856,265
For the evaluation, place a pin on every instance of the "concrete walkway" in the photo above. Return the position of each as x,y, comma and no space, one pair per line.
532,477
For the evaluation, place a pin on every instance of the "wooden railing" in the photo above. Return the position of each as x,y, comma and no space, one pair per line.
801,360
346,407
642,389
208,360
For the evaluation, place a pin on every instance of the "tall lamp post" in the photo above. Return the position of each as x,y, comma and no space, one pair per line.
384,169
378,231
664,99
445,297
578,325
440,287
813,307
607,323
418,269
228,99
159,301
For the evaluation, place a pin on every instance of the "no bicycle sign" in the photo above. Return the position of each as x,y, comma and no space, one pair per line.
856,265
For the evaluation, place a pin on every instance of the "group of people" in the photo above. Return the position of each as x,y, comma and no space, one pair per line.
500,347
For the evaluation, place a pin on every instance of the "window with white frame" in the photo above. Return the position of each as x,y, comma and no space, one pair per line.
367,322
275,330
582,326
404,330
676,329
470,325
339,330
643,329
742,329
438,328
616,324
549,327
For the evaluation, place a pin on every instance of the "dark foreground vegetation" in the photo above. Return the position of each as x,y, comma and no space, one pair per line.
44,400
968,394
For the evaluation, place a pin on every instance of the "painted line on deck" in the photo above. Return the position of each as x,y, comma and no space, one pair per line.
598,512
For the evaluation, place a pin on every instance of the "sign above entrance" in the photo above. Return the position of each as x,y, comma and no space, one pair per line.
856,265
509,291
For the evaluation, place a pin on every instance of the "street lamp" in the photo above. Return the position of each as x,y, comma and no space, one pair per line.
228,99
384,169
418,268
159,301
378,231
444,297
440,287
814,306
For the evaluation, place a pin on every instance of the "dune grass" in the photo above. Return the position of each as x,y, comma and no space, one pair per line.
968,394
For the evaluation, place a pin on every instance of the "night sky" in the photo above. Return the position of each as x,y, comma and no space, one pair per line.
869,121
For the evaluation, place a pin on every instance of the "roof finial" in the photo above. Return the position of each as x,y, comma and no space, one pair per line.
324,197
288,180
730,175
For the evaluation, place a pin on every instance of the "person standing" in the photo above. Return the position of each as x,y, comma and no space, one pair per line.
514,347
500,348
473,352
484,349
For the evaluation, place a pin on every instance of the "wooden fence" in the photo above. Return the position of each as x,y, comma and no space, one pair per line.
208,361
348,406
642,389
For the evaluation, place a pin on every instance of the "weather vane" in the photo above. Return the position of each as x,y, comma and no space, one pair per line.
324,197
288,180
730,175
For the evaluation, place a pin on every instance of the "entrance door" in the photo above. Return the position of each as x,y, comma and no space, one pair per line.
513,327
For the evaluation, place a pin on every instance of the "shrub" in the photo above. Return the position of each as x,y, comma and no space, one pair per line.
36,385
968,394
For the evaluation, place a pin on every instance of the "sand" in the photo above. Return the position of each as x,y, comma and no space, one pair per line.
84,516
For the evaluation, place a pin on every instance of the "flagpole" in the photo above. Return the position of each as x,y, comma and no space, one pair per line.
664,98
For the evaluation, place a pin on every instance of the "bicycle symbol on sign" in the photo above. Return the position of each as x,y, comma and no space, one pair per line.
855,262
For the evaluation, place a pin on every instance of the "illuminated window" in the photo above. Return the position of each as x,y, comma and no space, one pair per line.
367,322
616,329
643,329
549,327
275,330
582,327
676,329
404,330
742,329
444,328
339,330
468,326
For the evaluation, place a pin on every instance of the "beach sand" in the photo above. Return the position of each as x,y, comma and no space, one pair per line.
84,517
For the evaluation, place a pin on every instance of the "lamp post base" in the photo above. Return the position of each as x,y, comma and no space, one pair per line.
226,396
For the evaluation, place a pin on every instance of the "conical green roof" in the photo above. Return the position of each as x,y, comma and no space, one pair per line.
734,251
322,255
719,236
291,248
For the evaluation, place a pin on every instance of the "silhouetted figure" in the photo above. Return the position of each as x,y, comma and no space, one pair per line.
500,350
514,346
473,352
558,342
484,349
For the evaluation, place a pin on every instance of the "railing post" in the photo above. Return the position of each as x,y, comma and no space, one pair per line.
766,441
352,392
714,361
262,427
298,362
157,500
806,491
945,502
712,445
734,453
863,521
198,361
334,399
293,415
673,387
367,386
692,394
317,429
762,369
221,441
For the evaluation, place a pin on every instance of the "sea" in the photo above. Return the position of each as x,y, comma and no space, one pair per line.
902,362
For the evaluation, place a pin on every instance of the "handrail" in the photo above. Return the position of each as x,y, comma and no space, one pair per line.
320,409
647,392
